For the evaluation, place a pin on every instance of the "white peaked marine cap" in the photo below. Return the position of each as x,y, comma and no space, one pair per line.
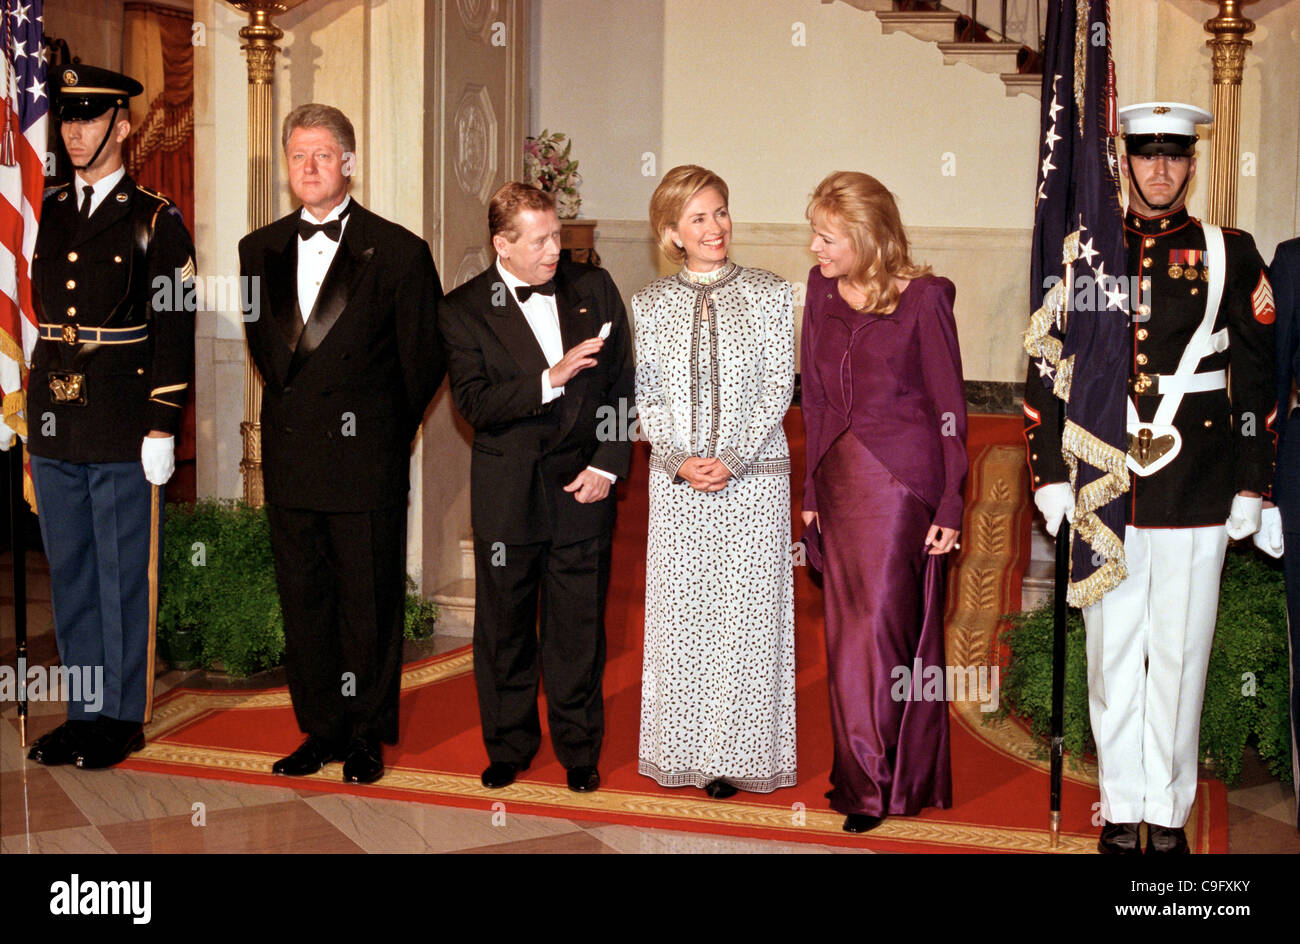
1164,118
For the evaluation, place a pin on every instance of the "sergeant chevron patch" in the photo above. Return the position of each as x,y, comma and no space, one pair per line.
1261,299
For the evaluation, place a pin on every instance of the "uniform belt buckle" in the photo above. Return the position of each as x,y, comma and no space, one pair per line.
69,334
68,387
1151,447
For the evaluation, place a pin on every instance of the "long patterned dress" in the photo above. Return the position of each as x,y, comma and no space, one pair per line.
714,376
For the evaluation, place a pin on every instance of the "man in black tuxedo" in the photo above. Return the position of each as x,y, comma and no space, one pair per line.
345,336
539,354
1285,274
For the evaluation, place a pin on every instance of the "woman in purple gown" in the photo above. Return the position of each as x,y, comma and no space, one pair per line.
884,412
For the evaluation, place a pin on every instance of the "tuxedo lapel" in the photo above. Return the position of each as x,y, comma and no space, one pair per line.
350,260
575,326
508,323
574,317
282,293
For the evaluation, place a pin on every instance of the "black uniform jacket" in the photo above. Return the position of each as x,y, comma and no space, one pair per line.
346,392
131,266
1227,435
525,451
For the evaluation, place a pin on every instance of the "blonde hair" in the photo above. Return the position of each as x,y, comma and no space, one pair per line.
678,188
861,206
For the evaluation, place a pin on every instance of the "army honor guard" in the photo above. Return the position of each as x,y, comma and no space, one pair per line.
109,377
1199,455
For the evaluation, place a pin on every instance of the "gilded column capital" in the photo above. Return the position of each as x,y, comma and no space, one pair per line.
1229,43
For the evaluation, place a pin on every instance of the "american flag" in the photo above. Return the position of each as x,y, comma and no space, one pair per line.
1078,336
22,183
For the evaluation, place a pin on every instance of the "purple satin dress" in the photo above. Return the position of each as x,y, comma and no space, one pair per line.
885,417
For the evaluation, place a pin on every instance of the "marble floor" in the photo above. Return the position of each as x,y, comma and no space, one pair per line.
62,809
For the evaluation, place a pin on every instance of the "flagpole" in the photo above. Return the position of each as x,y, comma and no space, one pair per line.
1059,610
17,529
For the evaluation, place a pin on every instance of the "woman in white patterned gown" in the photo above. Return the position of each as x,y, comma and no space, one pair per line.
714,375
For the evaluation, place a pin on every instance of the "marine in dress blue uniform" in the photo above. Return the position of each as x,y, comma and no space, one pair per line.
1200,454
109,377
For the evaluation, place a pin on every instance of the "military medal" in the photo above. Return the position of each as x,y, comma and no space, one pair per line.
1175,271
1190,273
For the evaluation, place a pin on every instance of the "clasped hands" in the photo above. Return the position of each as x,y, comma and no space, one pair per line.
705,475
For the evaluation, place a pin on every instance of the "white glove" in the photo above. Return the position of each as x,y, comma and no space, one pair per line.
1055,501
1243,518
158,456
7,436
1269,536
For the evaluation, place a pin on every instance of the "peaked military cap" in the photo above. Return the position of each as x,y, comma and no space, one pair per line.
1162,127
86,92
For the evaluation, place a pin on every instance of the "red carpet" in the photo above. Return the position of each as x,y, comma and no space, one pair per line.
1000,793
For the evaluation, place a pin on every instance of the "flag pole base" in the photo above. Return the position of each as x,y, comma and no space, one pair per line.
1055,825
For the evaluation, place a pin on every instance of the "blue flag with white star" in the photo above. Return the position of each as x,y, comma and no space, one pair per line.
1079,289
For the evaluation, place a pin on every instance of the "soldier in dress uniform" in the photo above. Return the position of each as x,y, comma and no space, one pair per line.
1200,454
113,275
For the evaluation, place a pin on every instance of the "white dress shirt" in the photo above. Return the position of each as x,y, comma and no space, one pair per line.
315,256
543,318
99,189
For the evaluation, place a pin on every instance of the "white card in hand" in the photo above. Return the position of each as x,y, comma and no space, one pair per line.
604,330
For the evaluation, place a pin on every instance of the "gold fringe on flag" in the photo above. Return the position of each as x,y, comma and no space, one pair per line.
1079,444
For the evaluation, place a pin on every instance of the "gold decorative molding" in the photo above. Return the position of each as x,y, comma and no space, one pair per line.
1228,52
260,37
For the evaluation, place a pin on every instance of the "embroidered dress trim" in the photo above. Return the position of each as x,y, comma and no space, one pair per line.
694,778
703,283
779,466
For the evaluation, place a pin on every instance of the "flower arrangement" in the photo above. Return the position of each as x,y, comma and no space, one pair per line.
547,166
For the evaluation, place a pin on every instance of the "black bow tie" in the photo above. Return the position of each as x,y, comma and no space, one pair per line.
524,292
333,229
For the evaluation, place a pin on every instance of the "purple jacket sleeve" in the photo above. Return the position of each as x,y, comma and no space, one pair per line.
941,365
812,400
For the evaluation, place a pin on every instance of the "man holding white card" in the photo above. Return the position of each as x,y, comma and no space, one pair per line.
540,357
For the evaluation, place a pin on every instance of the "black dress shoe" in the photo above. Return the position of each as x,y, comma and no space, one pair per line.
583,779
363,762
719,789
311,755
501,773
61,745
1119,839
1167,840
109,742
861,822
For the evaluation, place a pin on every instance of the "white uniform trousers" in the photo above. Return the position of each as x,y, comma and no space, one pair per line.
1148,653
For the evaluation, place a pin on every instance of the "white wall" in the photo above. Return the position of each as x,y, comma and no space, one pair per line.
596,74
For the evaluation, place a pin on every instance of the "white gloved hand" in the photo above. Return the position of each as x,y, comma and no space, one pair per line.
158,456
7,436
1243,518
1055,501
1269,536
